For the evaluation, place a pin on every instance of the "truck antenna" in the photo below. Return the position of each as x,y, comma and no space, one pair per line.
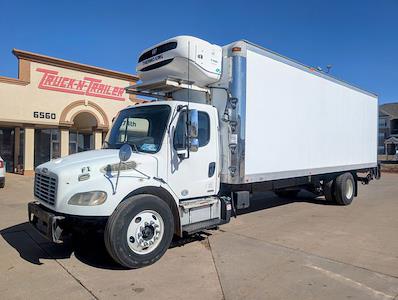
189,87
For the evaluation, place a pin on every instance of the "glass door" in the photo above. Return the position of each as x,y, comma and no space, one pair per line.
47,145
79,142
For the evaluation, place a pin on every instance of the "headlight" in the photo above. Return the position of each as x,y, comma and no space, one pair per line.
88,198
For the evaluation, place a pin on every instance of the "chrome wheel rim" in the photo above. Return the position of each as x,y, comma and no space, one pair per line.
349,189
145,232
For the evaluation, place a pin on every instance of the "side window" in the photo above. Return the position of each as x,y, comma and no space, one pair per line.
203,132
204,129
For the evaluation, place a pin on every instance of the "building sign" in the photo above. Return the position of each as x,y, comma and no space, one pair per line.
51,80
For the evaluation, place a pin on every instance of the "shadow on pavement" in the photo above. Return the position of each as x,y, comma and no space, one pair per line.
266,200
89,249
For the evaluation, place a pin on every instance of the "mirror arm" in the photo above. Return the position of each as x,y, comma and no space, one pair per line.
124,155
117,178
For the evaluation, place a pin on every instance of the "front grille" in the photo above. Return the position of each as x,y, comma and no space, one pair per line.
157,65
158,50
45,188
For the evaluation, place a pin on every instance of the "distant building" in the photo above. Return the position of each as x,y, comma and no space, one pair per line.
388,129
55,108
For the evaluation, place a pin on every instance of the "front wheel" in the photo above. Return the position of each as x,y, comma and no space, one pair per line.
139,231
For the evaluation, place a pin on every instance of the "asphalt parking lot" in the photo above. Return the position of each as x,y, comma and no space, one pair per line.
300,248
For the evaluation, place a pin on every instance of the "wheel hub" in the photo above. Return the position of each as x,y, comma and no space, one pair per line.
148,232
145,232
349,189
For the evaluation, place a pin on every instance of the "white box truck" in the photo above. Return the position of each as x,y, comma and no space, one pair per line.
227,121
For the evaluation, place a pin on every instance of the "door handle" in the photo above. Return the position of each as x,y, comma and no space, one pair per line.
212,168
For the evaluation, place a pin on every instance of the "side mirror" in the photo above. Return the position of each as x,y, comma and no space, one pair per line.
125,152
193,145
193,123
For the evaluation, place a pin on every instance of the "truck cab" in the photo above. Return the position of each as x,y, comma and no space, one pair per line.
167,163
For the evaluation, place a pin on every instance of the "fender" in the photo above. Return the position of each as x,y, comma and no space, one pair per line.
166,197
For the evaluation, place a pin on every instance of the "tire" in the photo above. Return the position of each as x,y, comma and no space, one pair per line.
328,190
2,183
287,193
137,222
344,190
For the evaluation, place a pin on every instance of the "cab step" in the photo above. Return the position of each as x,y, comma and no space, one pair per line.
199,226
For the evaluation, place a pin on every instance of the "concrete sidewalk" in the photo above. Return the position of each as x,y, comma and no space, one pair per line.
279,249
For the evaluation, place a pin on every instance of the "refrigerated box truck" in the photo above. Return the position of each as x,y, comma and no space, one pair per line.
225,122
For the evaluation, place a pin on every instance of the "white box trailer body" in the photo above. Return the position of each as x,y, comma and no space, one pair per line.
295,121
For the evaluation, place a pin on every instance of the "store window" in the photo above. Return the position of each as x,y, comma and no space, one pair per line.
19,168
47,145
382,123
7,142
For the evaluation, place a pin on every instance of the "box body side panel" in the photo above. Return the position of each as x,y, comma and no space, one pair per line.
299,124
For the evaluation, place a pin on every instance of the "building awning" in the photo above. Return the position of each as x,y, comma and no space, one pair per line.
391,140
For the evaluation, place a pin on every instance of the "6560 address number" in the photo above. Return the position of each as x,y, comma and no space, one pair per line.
44,115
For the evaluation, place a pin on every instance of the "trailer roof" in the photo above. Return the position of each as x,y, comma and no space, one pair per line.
299,65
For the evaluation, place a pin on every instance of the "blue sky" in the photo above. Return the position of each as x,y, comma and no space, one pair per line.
359,38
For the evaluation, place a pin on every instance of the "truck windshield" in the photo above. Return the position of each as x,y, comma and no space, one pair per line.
141,127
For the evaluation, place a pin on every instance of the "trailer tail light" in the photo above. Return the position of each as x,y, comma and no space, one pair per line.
1,164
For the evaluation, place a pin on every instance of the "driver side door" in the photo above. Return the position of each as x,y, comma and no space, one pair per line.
197,175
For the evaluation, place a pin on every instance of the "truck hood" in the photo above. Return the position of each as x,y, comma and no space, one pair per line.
99,161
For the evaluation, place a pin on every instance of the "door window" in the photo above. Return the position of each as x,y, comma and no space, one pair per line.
181,128
204,129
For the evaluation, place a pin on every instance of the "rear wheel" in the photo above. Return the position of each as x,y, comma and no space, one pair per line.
344,190
139,231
